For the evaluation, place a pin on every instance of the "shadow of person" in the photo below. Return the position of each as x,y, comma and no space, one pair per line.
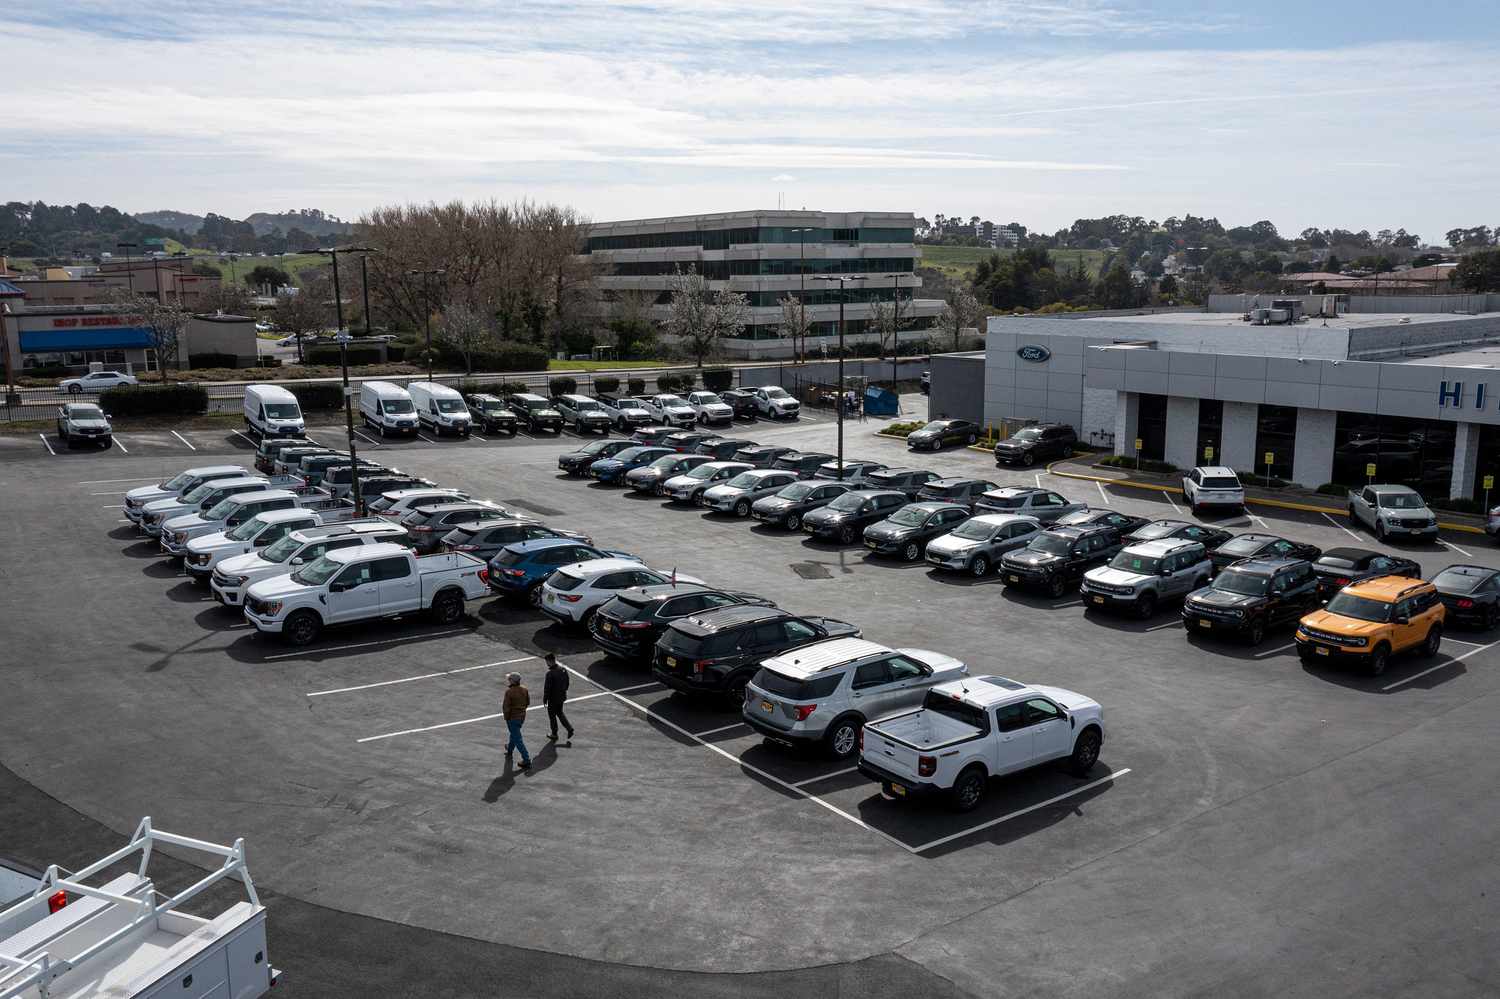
543,758
501,784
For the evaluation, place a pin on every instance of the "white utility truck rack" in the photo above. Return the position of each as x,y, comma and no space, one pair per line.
126,940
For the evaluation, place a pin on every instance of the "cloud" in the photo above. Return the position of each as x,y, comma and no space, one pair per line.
783,178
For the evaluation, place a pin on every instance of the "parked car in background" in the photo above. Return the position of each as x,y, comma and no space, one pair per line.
614,469
1368,622
269,447
1043,442
427,526
738,494
230,577
371,485
578,462
976,545
804,463
387,408
1243,546
673,410
687,441
1144,575
1055,559
718,651
955,490
823,694
1471,593
763,456
845,518
711,410
535,414
338,479
83,423
908,480
1213,485
742,402
924,383
484,539
95,381
721,448
574,592
314,467
856,471
491,414
686,488
1336,568
288,460
906,532
937,434
1157,530
585,415
652,478
791,503
1026,501
652,434
626,413
206,551
1124,523
1249,597
520,569
776,403
1392,512
628,625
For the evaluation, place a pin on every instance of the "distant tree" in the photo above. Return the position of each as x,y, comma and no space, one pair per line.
303,311
1478,271
265,275
702,316
1478,236
467,330
961,311
887,322
164,323
1167,286
793,324
1332,265
1426,259
1115,289
630,322
230,299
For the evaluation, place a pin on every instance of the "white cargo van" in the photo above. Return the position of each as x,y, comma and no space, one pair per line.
440,407
387,408
272,411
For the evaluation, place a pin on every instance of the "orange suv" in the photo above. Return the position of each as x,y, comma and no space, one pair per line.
1372,620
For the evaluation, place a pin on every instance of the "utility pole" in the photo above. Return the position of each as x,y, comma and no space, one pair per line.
839,395
129,264
343,339
427,312
802,299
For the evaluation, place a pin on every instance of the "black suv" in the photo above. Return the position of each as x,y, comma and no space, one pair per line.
491,413
955,490
686,441
629,623
535,413
1338,567
1056,558
743,403
804,463
721,448
717,652
578,462
907,531
908,480
654,435
371,485
1038,443
483,539
1251,596
1243,546
846,518
1160,530
762,455
1094,516
428,525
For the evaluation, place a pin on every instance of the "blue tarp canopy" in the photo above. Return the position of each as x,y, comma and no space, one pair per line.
881,402
113,338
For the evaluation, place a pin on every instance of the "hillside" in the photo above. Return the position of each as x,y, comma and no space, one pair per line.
309,220
167,219
958,262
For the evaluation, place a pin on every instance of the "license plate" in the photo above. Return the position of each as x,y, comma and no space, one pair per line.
1013,578
1205,624
870,545
899,790
1321,651
1098,600
767,706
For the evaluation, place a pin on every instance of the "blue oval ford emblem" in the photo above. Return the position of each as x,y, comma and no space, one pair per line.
1033,352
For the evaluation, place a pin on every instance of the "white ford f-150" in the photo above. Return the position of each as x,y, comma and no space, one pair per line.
208,550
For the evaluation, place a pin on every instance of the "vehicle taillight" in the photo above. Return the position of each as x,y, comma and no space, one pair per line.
801,711
635,625
699,664
517,573
1464,603
571,598
1341,581
56,901
926,766
484,576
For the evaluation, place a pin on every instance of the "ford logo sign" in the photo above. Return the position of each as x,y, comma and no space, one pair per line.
1033,352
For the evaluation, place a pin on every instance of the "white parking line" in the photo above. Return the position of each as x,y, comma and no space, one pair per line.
252,441
1272,652
427,439
1019,812
836,773
1170,500
723,728
424,676
480,718
1038,477
1433,669
1455,548
1477,645
1341,527
117,506
1253,517
120,445
477,438
111,492
368,439
1164,627
48,445
184,440
1102,494
365,645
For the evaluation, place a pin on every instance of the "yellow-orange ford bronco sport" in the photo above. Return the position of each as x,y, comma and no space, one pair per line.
1369,621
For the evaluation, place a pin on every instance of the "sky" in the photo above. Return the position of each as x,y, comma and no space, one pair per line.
1372,114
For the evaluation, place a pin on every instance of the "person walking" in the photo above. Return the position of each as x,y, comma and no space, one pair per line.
554,694
513,710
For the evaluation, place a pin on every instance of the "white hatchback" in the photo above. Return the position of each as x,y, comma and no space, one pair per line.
572,593
1213,485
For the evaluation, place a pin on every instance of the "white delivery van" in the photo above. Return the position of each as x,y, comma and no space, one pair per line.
272,411
387,408
440,407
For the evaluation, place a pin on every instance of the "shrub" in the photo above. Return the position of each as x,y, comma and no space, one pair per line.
318,395
1253,479
395,352
1332,489
666,382
511,388
1146,464
213,360
1458,505
607,384
637,386
902,429
563,385
45,371
155,400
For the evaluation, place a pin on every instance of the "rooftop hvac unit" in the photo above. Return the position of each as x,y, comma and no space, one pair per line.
1293,306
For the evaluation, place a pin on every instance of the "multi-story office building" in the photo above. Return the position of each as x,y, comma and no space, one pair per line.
768,256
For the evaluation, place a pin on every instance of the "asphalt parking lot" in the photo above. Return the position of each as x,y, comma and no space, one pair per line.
1252,826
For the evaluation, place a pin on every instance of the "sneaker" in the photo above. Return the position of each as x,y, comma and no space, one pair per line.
553,737
525,764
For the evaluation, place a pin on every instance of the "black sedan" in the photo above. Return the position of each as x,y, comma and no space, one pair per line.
1471,593
578,462
1122,522
1243,546
491,414
1160,530
628,625
1338,567
906,532
940,433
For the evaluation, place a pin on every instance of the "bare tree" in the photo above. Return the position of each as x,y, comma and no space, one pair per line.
887,321
793,324
702,316
301,312
630,320
961,311
227,298
164,323
469,330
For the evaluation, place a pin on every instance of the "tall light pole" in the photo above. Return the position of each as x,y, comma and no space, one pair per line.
896,338
343,338
802,301
841,279
129,263
425,275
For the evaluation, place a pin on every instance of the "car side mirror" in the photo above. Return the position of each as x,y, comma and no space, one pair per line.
1403,619
297,561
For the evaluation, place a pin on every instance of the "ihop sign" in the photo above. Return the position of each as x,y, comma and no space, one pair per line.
1451,394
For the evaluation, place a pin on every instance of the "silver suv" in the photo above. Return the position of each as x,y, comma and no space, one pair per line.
1142,576
824,693
1026,501
976,545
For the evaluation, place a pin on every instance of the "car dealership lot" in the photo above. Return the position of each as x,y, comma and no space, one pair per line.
1228,832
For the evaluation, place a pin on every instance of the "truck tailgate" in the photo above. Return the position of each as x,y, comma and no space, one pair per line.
456,567
895,743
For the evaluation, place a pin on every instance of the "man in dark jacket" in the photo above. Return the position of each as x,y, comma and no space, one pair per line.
554,694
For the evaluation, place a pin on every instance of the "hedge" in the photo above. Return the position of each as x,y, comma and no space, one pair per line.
718,379
395,352
563,385
155,400
492,388
511,357
318,396
637,386
1144,464
213,360
669,381
606,384
902,429
330,355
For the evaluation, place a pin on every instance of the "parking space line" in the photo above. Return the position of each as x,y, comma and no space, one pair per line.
365,645
184,440
117,506
1038,477
370,440
120,445
1165,626
1455,548
772,778
1253,517
1102,495
424,676
1341,527
1433,669
110,492
253,442
836,773
1020,812
430,441
1175,507
476,437
47,444
489,717
723,728
1272,652
1477,645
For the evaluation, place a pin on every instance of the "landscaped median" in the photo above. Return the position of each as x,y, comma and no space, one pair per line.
901,429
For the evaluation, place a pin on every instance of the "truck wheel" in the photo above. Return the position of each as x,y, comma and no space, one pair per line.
1433,643
447,607
1379,658
973,439
980,567
968,791
846,535
793,522
1057,587
1085,753
302,628
1380,531
75,389
1256,633
1146,606
742,508
842,738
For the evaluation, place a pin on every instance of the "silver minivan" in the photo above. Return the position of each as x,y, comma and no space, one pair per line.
822,694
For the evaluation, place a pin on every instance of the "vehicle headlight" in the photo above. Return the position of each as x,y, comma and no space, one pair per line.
238,580
202,559
1357,642
179,536
272,608
1238,613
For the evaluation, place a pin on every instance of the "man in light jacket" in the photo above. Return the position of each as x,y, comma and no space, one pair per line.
554,695
513,710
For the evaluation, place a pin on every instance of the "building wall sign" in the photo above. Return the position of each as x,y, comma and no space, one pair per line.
1033,352
1452,394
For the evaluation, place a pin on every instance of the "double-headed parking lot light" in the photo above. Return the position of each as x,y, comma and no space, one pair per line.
839,394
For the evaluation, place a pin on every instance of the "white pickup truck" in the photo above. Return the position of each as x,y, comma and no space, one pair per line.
970,730
671,410
72,937
232,576
1392,512
180,484
208,550
362,584
232,511
207,494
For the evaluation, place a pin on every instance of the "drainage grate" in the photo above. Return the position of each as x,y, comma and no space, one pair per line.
545,511
811,570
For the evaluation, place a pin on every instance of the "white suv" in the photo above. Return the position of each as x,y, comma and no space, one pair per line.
572,593
1213,486
710,408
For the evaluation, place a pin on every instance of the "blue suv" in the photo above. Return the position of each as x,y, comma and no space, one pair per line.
520,569
614,469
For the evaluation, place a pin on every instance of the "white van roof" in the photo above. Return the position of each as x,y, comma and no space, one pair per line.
270,393
437,389
384,390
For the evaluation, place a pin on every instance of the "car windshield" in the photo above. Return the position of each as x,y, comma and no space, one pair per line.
974,531
796,491
199,494
631,453
630,404
1005,502
282,410
84,411
1401,501
777,393
670,400
910,516
247,530
281,550
176,482
1242,546
847,503
535,403
317,572
937,425
1142,564
702,472
594,447
1221,482
706,398
1458,580
490,405
582,405
221,509
450,406
1243,583
666,462
1027,435
397,405
1359,608
1051,544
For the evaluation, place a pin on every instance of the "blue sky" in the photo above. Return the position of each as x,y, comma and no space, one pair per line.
1343,114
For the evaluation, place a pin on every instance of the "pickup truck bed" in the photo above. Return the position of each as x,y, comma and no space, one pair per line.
923,730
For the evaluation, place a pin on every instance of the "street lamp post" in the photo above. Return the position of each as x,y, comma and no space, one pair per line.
425,275
802,300
343,339
839,395
129,263
896,339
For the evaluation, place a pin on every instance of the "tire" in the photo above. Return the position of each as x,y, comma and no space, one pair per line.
1380,531
846,535
1256,633
658,490
911,552
793,522
75,390
302,628
841,741
734,692
1145,607
1378,659
973,439
1085,753
1433,643
742,508
1057,587
534,596
587,621
979,567
1028,458
447,607
968,791
1491,617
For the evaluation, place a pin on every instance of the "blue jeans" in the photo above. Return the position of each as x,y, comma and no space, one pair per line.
515,742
